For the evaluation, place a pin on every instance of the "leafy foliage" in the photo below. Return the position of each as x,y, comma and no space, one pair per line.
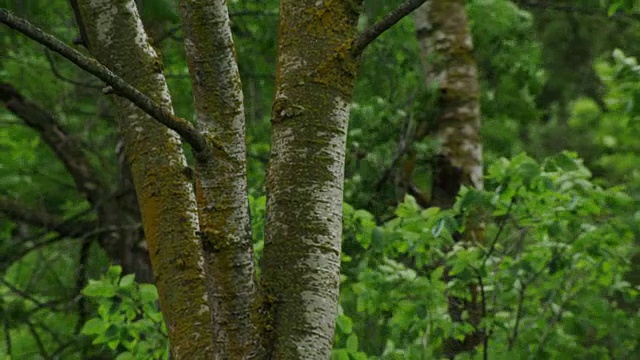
559,266
557,245
128,321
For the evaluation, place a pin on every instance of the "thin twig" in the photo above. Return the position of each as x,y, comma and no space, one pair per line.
23,294
519,312
164,116
59,75
7,336
485,340
81,282
372,33
36,336
501,227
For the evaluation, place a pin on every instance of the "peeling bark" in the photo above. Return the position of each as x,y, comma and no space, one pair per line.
314,82
221,182
165,194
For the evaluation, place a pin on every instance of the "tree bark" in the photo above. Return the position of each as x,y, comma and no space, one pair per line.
446,51
117,39
218,316
221,188
314,82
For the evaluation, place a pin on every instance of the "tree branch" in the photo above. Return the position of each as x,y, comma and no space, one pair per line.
372,33
59,75
183,127
41,218
65,147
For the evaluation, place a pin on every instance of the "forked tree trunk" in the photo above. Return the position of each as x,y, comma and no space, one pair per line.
209,299
446,51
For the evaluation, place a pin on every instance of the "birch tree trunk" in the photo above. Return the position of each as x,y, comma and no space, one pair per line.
446,51
115,36
314,82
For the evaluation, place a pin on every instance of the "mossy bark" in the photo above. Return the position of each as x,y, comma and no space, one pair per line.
314,82
117,39
446,50
221,190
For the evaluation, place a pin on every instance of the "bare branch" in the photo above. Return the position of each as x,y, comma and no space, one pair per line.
66,148
164,116
59,75
372,33
37,217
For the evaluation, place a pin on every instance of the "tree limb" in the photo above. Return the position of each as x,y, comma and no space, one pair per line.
65,147
183,127
19,212
59,75
372,33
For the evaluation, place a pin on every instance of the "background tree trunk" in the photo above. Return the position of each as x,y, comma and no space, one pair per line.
446,51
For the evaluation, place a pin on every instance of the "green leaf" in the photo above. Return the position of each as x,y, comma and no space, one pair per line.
113,344
126,356
359,356
352,343
127,280
114,272
99,288
408,208
94,326
148,293
340,354
344,323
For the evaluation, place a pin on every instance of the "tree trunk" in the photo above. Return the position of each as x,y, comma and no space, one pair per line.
221,188
446,51
314,81
190,232
116,37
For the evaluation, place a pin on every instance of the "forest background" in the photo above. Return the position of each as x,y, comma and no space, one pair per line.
554,278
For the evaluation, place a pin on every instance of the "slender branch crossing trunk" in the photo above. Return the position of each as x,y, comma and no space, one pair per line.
116,38
314,82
